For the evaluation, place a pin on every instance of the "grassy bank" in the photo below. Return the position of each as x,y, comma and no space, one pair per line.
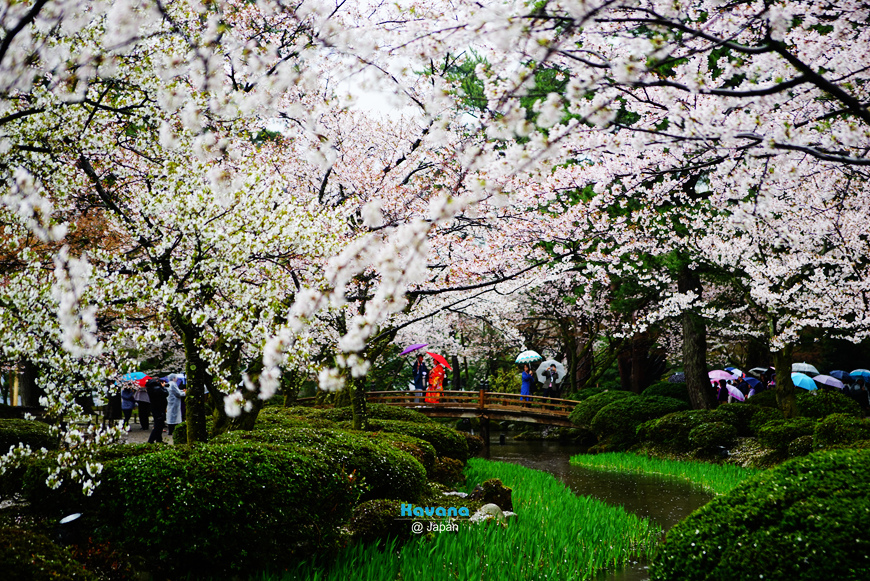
557,535
714,478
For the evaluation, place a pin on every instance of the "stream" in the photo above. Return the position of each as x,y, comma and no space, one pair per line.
663,500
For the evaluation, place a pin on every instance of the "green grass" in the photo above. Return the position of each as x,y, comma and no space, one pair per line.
558,535
714,478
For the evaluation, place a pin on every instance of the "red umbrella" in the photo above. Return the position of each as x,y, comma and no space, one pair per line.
439,359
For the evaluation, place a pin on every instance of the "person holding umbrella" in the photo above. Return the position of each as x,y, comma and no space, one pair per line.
526,388
436,384
421,374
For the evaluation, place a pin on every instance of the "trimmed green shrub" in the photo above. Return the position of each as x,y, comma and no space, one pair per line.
447,442
475,444
222,509
762,417
28,556
586,409
421,450
667,389
710,435
804,520
377,521
766,398
387,471
617,422
179,434
821,403
840,429
778,434
673,429
30,432
586,393
448,471
800,447
741,416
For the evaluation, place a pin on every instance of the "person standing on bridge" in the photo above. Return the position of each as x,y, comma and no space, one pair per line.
526,388
421,376
436,384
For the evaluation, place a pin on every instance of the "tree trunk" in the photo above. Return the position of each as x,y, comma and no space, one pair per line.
358,396
198,380
625,368
639,362
701,395
785,397
27,385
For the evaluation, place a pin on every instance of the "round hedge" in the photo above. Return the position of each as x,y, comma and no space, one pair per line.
666,389
617,422
778,434
587,392
218,510
673,429
838,429
585,411
804,520
30,432
388,471
447,442
821,403
28,556
377,521
762,416
713,434
766,398
742,417
800,446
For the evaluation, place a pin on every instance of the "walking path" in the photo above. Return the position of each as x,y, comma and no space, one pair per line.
137,435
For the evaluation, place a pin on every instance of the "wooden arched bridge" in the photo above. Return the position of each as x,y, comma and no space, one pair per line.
486,405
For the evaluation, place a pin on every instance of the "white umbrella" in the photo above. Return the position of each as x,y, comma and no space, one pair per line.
528,357
560,370
804,368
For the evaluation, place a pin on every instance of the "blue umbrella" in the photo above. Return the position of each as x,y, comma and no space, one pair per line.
803,381
860,373
132,376
753,383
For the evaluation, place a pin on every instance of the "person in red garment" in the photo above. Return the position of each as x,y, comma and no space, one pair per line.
436,384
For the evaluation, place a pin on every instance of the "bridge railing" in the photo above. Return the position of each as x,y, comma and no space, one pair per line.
475,400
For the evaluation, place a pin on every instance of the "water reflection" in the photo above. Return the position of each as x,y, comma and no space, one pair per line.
662,500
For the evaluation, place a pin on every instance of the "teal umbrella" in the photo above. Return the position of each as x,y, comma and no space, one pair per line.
803,381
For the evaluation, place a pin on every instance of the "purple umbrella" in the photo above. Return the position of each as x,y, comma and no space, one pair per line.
412,348
828,380
719,374
735,393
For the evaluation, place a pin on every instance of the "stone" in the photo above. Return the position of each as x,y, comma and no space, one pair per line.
493,491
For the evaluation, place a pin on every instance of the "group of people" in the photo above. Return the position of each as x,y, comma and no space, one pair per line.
856,389
155,397
431,383
551,382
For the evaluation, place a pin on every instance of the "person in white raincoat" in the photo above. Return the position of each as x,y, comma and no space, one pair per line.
173,403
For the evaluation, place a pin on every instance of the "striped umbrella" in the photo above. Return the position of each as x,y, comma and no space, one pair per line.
528,357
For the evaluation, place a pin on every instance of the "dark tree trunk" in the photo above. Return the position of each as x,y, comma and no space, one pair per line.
785,398
27,388
624,360
639,362
358,396
701,395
